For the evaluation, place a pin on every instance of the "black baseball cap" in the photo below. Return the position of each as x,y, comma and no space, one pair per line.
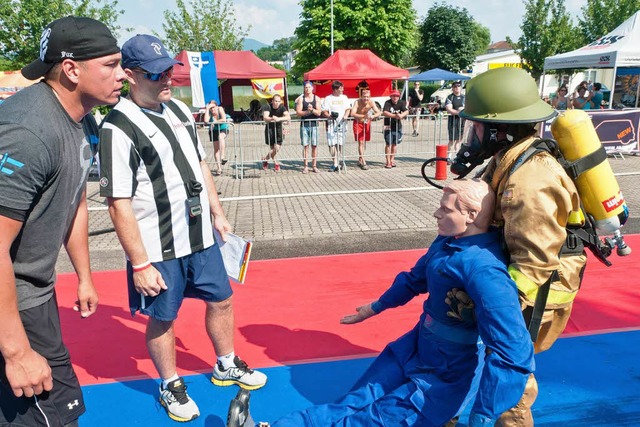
147,52
72,37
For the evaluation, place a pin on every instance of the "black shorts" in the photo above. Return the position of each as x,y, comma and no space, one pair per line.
273,134
64,403
455,126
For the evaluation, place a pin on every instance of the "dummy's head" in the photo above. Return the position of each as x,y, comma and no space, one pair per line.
466,208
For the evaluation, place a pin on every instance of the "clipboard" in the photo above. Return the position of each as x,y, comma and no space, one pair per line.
236,253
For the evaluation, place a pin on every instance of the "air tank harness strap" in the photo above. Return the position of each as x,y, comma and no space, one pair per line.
578,167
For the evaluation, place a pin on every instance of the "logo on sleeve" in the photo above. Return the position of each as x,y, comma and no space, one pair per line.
7,164
104,182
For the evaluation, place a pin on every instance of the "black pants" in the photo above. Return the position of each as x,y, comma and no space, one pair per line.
63,405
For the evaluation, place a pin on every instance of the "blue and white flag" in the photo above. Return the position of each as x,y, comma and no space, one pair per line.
204,79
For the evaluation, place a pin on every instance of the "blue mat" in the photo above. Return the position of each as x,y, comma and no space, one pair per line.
584,381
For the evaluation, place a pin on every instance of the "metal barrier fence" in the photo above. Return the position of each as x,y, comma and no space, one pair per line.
246,147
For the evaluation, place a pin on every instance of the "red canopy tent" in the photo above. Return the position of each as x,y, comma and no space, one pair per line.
353,66
234,68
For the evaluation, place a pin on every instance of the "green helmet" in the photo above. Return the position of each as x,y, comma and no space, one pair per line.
505,95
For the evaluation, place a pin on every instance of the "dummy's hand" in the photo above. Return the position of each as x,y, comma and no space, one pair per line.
149,282
363,313
28,374
87,302
461,305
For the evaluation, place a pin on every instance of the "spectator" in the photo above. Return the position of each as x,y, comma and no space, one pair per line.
427,376
394,111
454,104
582,101
164,206
596,96
273,118
364,110
218,130
415,98
46,137
561,101
336,108
308,108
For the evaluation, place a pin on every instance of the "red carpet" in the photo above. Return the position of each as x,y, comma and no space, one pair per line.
289,310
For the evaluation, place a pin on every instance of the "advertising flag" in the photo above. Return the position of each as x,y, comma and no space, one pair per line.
204,79
266,88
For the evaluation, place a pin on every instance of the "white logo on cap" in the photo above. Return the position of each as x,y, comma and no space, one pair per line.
44,43
157,48
64,54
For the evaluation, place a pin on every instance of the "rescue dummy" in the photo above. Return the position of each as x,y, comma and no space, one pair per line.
428,375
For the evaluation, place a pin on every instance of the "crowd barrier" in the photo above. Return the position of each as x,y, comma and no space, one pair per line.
246,146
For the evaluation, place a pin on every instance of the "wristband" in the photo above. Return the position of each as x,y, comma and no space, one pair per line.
140,267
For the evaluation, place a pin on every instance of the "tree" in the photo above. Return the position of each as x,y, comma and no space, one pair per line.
448,39
386,28
547,29
27,18
600,17
212,25
481,38
278,50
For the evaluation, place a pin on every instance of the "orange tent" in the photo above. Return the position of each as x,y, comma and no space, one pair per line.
13,81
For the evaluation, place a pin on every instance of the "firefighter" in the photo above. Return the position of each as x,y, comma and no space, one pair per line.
536,202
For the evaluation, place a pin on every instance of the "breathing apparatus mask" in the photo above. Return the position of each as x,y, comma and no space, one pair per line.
481,141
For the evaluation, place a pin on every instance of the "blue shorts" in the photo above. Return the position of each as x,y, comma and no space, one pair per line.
392,137
308,134
200,275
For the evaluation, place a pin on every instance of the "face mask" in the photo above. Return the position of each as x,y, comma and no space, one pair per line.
481,143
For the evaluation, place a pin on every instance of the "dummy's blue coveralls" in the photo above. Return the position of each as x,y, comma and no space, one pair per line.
427,376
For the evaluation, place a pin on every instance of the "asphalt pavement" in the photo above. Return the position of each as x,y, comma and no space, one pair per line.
290,214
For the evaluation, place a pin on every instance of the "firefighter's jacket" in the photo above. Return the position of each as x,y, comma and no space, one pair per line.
533,206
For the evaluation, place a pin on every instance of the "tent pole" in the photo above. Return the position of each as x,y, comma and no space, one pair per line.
542,83
613,85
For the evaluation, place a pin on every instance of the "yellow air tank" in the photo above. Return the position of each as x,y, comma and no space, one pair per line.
597,186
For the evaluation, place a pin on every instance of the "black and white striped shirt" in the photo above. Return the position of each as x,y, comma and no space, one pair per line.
150,158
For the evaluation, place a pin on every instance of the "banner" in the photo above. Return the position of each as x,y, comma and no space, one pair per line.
617,129
204,79
266,88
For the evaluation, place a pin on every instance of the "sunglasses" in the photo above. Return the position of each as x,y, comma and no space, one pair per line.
156,77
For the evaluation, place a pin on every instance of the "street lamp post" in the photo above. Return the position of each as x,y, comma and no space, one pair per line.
331,27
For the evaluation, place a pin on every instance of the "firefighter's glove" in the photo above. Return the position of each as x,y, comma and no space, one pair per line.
461,305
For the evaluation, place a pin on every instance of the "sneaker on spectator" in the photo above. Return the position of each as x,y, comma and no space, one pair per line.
265,165
277,168
239,374
180,407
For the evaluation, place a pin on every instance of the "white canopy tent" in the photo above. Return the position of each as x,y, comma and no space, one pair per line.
619,48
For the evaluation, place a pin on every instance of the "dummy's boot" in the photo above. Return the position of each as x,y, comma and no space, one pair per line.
238,414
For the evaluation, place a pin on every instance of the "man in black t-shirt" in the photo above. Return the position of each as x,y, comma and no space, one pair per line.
416,95
46,150
273,117
394,111
454,104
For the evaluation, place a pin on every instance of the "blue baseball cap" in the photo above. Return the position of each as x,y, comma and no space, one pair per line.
147,52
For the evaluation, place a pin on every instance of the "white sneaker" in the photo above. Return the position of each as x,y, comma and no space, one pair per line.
239,374
180,407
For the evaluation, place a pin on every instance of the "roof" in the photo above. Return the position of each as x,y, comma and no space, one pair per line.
357,64
241,64
619,48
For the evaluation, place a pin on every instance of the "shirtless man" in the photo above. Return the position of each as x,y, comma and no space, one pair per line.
364,111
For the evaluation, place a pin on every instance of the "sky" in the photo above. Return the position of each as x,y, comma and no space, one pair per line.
276,19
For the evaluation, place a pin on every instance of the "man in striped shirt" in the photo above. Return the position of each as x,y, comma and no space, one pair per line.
158,187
